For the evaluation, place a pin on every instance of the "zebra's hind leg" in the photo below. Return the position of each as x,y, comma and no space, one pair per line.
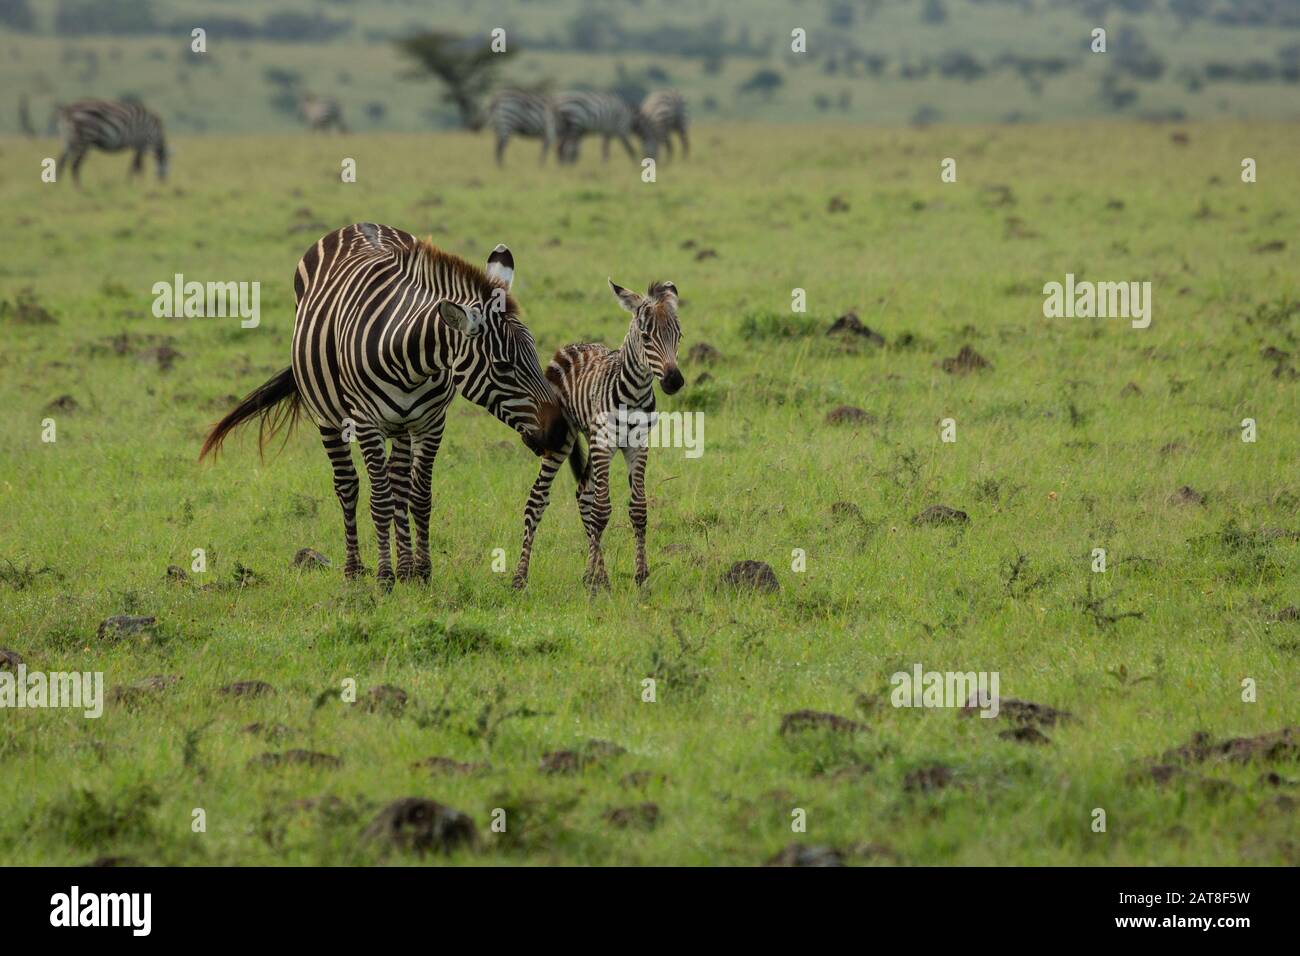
636,508
535,507
501,149
424,450
137,164
381,497
686,146
399,480
78,156
593,502
346,486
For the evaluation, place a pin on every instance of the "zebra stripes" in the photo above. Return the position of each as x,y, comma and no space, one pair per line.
594,385
321,112
388,330
585,114
518,113
663,113
111,127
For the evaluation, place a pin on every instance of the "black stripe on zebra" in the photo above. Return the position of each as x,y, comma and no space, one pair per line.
388,330
592,114
594,385
111,127
520,113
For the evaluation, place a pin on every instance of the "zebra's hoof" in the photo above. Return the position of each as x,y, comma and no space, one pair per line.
642,577
354,571
519,583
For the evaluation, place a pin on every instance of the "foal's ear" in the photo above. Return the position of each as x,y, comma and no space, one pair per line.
501,265
626,297
454,314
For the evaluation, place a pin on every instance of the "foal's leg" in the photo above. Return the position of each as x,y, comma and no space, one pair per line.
594,504
381,496
346,485
535,507
636,508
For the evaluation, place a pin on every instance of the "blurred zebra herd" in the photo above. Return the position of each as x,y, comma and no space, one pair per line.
561,121
565,119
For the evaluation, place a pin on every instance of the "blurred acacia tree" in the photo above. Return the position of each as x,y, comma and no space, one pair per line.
466,67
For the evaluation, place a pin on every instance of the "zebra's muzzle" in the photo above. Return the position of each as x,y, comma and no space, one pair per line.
551,432
673,381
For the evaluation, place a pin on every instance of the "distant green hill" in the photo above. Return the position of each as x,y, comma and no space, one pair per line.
871,61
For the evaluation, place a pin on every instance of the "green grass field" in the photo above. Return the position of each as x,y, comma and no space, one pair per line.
1077,437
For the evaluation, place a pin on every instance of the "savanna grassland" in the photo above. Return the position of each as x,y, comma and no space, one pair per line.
1079,434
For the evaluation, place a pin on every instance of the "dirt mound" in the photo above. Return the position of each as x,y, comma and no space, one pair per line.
591,752
849,415
816,719
247,688
420,826
849,324
384,699
940,515
755,575
311,559
964,362
799,854
642,815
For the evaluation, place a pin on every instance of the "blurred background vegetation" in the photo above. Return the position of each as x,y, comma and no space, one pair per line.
879,62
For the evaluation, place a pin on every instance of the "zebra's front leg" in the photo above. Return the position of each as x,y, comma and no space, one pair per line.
535,507
593,502
381,498
636,508
346,487
424,450
399,480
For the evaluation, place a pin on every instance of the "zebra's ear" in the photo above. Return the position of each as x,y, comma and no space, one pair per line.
501,265
467,323
626,297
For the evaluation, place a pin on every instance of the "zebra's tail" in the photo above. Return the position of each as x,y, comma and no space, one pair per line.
264,403
580,463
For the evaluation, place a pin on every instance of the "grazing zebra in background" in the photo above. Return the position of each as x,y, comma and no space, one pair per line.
112,127
519,113
583,114
662,113
321,112
594,386
388,330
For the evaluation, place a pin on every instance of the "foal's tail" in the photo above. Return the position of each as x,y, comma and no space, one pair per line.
264,403
579,462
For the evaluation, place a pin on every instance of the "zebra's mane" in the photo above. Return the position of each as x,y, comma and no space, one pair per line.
440,260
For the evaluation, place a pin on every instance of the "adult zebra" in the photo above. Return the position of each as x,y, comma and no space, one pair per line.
663,113
520,113
112,127
584,114
388,330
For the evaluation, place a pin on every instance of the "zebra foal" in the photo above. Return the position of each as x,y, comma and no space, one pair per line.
111,127
388,330
599,390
